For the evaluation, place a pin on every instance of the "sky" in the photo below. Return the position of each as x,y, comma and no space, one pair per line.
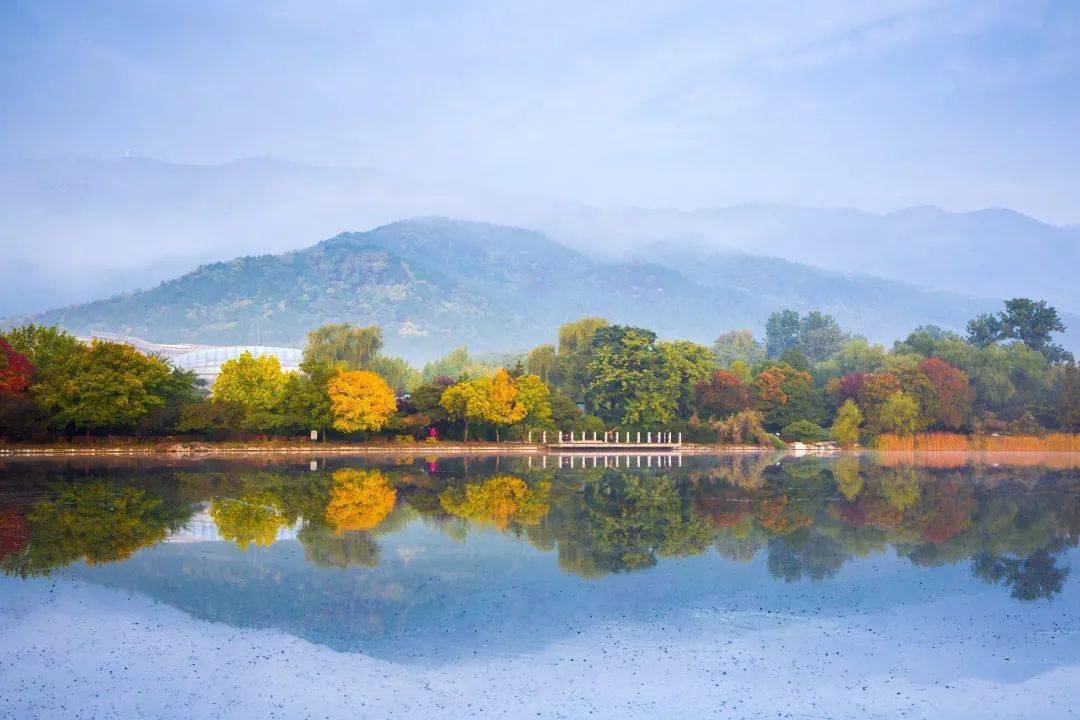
878,105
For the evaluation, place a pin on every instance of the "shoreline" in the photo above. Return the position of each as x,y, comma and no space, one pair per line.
210,449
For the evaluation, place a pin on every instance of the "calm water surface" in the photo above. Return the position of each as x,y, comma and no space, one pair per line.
742,586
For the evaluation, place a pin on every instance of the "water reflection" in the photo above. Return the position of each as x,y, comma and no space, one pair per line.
809,516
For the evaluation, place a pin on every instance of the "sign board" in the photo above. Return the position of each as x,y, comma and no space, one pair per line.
314,434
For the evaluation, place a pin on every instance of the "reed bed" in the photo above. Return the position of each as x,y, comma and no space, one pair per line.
945,450
953,442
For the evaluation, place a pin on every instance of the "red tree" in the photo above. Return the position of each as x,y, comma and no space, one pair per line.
722,394
954,392
15,370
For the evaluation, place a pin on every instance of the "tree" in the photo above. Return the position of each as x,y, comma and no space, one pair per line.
576,350
845,427
305,404
103,385
254,383
784,395
1067,406
629,380
360,400
468,401
396,371
688,364
542,361
738,345
344,346
1032,322
457,364
16,371
1027,321
781,332
359,499
534,396
984,330
46,347
953,392
820,335
722,395
900,414
503,406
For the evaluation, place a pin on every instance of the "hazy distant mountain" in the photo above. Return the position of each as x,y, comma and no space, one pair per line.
435,283
77,229
989,253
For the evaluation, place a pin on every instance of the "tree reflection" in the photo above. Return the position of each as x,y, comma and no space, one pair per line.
255,517
95,522
810,516
1032,578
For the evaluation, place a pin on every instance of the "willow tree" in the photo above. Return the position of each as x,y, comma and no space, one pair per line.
344,346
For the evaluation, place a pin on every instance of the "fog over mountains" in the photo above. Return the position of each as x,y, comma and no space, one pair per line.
79,230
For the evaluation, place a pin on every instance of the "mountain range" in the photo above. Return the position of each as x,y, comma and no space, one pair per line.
435,283
76,230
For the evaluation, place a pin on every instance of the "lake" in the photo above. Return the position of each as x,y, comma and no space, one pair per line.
725,586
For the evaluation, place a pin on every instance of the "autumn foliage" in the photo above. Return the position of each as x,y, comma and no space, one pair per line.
15,370
360,400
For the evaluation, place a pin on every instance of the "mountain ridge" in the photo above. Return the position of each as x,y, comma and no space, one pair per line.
434,283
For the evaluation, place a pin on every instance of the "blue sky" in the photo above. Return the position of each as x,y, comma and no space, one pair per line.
684,104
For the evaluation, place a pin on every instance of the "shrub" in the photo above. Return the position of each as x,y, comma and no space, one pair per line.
803,431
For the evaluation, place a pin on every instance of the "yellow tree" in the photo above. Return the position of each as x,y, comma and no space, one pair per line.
504,408
359,499
360,400
255,383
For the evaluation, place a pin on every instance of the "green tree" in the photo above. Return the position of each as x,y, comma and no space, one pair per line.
738,345
457,364
344,346
534,396
781,332
305,404
1067,404
845,427
900,415
47,347
820,335
688,365
543,362
629,379
254,383
103,385
1031,322
468,401
575,352
397,373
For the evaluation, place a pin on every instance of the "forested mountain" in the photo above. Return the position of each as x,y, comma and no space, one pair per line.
77,229
435,283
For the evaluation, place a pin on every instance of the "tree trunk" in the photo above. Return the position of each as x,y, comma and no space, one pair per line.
496,433
466,436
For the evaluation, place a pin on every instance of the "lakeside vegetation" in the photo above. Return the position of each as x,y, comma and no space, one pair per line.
808,380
